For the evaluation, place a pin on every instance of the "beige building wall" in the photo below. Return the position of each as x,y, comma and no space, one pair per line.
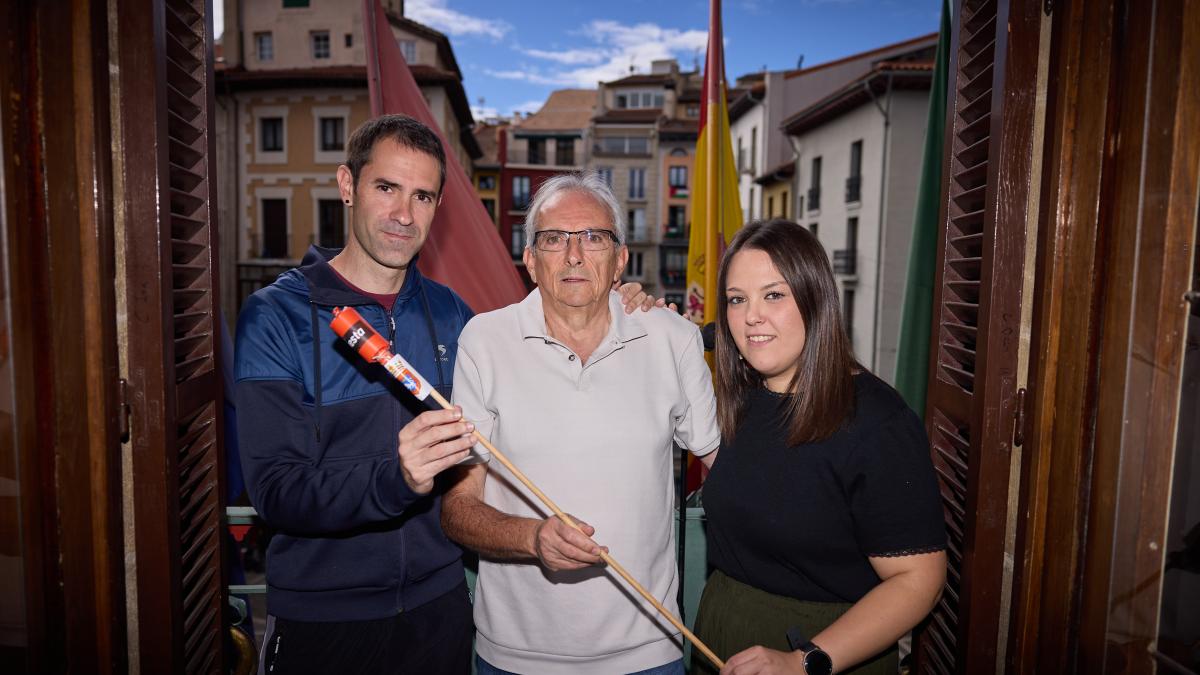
291,28
778,201
482,178
301,174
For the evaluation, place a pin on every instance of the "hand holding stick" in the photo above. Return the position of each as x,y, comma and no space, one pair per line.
371,346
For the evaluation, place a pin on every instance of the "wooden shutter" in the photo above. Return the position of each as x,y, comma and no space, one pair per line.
976,319
170,251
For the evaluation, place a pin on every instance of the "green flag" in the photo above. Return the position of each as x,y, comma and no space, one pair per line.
912,360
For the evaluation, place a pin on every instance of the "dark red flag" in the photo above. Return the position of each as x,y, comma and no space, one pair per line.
464,250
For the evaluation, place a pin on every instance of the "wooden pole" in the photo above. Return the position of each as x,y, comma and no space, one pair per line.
608,559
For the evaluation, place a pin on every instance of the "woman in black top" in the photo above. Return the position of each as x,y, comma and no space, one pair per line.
824,518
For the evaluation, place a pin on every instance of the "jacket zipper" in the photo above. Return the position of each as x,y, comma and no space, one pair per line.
403,557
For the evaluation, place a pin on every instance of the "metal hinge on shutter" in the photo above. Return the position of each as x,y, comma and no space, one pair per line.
123,409
1019,417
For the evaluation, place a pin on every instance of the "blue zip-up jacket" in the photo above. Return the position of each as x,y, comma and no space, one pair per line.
318,430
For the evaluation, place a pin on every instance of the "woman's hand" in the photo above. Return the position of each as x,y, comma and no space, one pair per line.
763,661
633,297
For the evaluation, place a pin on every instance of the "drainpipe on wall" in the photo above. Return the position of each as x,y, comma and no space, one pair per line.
795,143
886,111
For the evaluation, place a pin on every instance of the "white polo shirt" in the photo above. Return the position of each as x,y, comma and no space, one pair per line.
597,439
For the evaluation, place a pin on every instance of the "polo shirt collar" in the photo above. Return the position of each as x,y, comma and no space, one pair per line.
622,327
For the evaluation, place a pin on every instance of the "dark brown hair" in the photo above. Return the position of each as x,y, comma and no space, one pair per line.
403,129
822,389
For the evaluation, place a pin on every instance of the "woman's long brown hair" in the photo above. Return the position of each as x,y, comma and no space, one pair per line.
822,388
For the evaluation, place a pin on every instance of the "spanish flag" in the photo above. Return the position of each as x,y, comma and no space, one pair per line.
716,209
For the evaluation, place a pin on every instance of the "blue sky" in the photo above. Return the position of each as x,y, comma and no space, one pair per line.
513,54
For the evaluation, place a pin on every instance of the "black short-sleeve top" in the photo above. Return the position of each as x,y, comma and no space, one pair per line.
801,521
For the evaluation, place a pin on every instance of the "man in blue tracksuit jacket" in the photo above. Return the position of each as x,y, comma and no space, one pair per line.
338,457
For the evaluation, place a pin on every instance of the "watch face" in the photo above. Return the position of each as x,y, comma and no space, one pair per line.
817,662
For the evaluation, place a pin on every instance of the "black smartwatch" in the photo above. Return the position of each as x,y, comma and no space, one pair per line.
816,661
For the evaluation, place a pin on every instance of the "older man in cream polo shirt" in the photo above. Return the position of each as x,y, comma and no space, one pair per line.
586,400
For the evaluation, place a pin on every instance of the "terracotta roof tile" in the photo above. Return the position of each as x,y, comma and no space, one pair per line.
564,110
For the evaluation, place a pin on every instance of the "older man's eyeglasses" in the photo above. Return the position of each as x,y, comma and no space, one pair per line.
558,240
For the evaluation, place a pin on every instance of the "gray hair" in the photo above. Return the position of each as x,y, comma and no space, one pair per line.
587,182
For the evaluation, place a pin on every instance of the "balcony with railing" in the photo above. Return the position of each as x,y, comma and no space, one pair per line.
853,189
254,274
814,199
845,261
622,146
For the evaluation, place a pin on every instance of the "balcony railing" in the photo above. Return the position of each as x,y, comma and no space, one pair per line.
845,261
853,189
254,274
814,199
673,277
675,232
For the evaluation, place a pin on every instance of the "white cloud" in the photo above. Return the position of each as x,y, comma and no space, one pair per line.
437,14
568,57
531,75
483,112
617,48
527,108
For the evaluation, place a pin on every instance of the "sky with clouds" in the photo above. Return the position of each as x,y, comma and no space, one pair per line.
513,54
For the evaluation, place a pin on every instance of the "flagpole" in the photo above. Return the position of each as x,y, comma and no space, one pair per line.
372,44
712,149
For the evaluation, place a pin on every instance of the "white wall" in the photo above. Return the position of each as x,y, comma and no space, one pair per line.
906,145
755,118
883,246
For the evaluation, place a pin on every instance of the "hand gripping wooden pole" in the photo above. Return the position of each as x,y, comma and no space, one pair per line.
357,333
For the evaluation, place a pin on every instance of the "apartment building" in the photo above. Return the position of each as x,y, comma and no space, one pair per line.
547,143
857,165
292,86
488,167
644,142
763,152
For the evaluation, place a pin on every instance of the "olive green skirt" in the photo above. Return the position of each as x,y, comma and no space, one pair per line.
733,617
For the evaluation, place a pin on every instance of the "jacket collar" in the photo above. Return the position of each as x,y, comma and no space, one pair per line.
326,288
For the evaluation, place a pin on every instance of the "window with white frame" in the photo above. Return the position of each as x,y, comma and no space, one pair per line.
270,134
517,242
635,269
330,125
264,46
333,133
606,174
639,99
622,145
520,187
270,129
637,183
409,49
320,44
637,225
